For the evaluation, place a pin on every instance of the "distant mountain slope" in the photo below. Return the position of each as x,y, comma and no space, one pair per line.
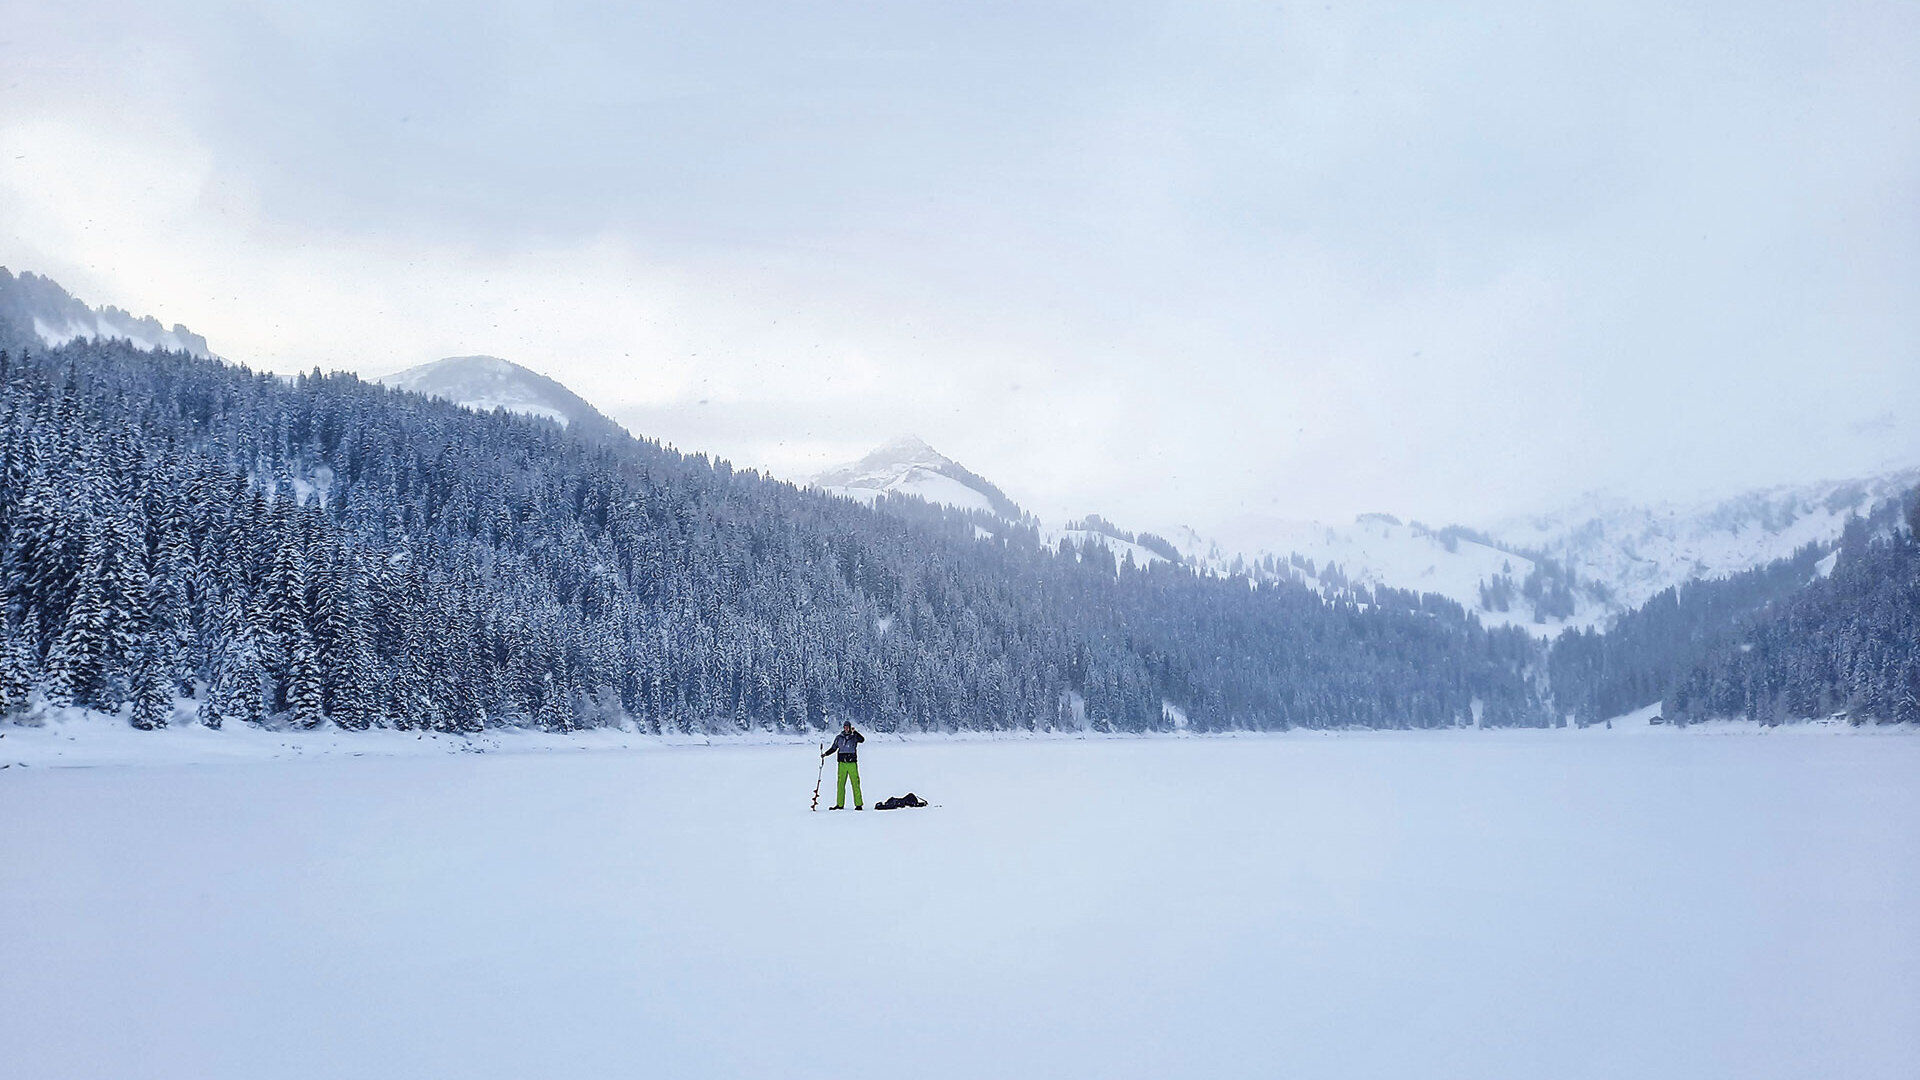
1637,551
1847,644
908,466
1576,568
1503,584
36,311
486,383
1802,638
1643,653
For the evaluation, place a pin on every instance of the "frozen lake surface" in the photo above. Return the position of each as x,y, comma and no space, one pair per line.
1374,905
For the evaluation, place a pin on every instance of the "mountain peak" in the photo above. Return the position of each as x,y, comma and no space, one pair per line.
907,465
900,451
477,363
908,445
485,383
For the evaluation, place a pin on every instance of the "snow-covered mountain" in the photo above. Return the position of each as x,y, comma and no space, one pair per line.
1381,550
908,466
1637,551
1575,567
34,309
486,383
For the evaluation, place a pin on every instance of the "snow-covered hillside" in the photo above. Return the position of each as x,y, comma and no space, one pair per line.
1381,550
1575,567
1636,551
908,466
33,307
1123,549
488,382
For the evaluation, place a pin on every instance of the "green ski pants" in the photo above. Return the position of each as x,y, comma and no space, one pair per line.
849,770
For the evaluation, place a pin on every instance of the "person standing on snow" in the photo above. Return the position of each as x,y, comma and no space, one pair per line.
847,745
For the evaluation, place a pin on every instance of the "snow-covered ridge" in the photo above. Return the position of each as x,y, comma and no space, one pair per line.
1636,551
486,383
1577,567
1574,568
1379,550
34,307
908,466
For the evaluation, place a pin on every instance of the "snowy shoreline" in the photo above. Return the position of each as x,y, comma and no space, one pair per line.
89,740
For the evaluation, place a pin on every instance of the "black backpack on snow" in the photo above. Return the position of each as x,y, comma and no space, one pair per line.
900,801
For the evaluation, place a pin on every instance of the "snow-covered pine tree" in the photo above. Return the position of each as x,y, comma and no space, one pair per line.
556,708
77,667
306,700
236,691
17,654
152,685
127,587
279,609
170,575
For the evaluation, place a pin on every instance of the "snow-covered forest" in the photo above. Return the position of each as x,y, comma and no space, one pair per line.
321,549
180,533
1847,642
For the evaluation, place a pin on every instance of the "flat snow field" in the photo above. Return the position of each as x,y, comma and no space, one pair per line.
1370,905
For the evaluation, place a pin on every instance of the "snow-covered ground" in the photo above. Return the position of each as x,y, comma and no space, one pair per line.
1467,904
921,484
75,738
80,738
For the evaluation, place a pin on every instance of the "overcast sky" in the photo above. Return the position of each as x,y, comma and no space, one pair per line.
1173,263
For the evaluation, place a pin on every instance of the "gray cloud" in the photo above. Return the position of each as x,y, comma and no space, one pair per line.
1165,262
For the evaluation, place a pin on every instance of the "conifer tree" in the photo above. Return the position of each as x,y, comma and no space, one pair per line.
236,691
305,696
152,687
16,666
77,665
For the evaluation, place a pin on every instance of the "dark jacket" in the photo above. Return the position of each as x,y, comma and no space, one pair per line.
847,743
